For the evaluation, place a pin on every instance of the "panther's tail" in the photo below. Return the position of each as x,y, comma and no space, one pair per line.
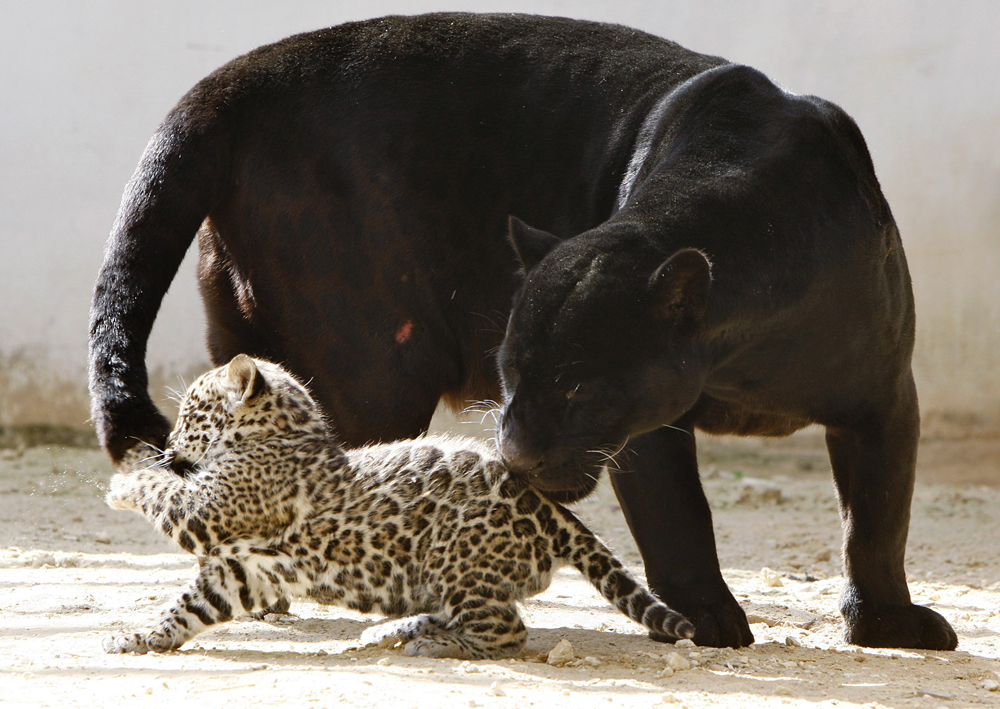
173,188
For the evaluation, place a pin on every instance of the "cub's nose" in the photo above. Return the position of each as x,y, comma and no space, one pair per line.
179,465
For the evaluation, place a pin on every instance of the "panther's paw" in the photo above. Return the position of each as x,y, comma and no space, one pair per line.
909,626
718,625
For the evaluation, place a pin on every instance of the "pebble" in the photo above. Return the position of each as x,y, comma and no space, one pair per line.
769,577
102,538
991,685
684,642
753,619
934,694
792,642
43,559
469,668
677,662
561,653
588,661
756,490
496,690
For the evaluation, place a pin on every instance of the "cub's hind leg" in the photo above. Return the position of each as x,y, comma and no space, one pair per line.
484,630
478,626
476,629
279,607
402,630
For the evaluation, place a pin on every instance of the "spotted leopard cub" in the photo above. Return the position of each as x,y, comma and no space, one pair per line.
431,531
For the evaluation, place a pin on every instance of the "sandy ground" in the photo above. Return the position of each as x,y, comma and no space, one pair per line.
72,570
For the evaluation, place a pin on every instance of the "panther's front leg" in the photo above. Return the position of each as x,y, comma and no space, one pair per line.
667,511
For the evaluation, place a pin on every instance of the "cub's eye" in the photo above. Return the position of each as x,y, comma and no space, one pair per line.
580,393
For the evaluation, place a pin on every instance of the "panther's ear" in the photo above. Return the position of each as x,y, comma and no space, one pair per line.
244,377
531,244
680,288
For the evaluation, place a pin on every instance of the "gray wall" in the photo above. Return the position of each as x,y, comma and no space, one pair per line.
84,84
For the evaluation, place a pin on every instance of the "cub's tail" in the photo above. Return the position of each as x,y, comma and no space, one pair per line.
609,576
173,188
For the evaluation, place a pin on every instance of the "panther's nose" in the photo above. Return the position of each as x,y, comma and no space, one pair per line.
523,466
518,458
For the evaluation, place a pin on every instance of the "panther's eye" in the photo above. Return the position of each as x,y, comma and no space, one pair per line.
580,393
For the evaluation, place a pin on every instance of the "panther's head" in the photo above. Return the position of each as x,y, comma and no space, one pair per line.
601,346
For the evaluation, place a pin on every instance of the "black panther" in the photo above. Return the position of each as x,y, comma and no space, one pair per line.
705,251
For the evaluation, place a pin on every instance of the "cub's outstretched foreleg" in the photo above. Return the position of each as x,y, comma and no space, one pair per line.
239,579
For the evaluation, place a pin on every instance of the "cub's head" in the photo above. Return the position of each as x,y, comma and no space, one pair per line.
601,346
237,405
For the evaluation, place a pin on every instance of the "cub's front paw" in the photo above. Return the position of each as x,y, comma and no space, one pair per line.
119,644
909,626
140,643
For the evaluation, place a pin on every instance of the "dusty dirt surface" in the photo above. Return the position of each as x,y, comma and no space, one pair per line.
72,571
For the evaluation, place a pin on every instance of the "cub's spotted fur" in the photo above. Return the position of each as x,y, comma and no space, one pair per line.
433,529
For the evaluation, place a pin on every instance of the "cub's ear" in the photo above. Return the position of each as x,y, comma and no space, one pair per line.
680,288
531,244
244,377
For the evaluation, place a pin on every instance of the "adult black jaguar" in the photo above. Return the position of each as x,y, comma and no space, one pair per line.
706,251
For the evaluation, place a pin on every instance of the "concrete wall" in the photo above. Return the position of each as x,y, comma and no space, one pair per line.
84,84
